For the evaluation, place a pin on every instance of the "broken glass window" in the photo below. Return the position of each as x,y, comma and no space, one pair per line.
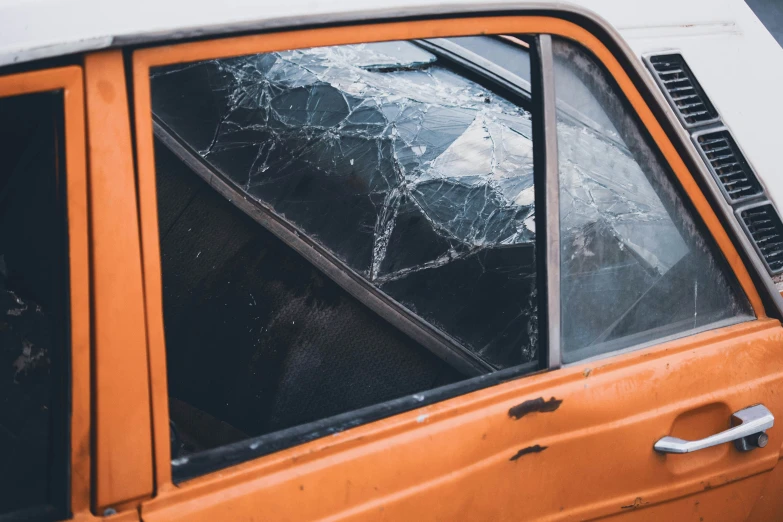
635,265
417,178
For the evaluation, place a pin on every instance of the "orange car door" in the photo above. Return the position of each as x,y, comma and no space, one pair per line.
643,322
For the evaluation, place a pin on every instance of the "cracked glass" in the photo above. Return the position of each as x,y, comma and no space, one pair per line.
636,266
412,175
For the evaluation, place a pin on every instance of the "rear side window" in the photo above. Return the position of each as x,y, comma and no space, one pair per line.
635,264
33,309
410,174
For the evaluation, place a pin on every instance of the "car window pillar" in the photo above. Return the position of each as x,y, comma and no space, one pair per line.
547,187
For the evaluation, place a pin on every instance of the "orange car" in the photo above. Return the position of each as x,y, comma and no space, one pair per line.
326,261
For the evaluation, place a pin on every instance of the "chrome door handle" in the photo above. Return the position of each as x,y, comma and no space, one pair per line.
746,436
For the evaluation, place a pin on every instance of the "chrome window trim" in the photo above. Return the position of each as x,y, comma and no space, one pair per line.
552,200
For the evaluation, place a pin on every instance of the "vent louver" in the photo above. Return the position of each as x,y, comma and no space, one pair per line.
722,155
684,92
764,227
727,163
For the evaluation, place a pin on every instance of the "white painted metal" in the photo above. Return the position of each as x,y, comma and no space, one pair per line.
736,60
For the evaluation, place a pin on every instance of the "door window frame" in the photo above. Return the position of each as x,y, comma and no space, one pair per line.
649,107
68,80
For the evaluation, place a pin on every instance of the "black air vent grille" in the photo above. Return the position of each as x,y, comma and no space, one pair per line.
685,93
766,230
728,165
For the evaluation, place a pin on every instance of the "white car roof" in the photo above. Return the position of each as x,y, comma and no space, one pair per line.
736,60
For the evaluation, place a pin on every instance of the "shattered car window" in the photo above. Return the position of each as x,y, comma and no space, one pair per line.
635,266
415,177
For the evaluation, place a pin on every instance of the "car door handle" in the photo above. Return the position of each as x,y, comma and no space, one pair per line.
748,433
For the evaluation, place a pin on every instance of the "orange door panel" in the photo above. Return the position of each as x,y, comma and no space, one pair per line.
570,444
123,445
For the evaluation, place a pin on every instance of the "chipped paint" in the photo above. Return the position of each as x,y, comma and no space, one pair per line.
529,449
422,418
637,503
534,405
